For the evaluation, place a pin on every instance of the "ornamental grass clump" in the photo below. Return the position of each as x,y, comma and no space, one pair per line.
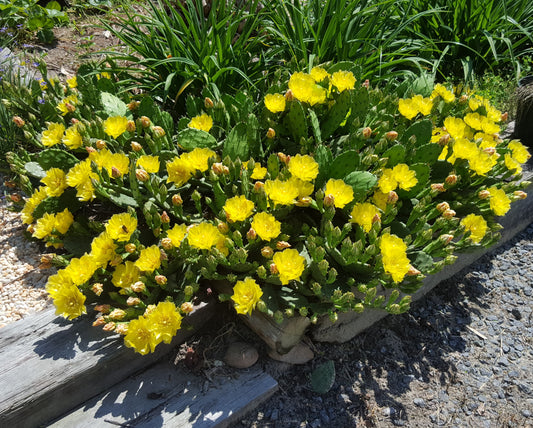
327,196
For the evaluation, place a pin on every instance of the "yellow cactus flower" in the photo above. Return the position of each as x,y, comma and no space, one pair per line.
63,221
29,207
72,82
72,138
238,208
259,172
149,259
303,167
481,163
455,127
204,236
69,302
121,226
164,321
440,90
281,192
364,215
246,294
290,265
519,151
115,126
55,182
305,188
407,108
125,274
140,336
423,105
103,249
319,74
177,234
304,88
394,256
474,120
341,192
275,102
67,105
266,226
476,225
81,269
405,177
198,159
179,171
499,201
44,226
53,134
57,281
149,163
202,122
343,80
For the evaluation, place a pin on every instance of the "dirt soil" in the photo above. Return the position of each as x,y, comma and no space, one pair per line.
462,357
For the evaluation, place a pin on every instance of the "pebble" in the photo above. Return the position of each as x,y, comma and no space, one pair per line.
420,402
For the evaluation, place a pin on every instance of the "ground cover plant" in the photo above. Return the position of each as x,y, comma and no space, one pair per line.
328,196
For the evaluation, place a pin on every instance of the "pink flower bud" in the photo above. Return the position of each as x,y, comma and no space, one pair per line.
186,307
443,206
267,252
273,269
142,175
483,194
391,135
208,103
176,200
161,279
448,214
438,187
367,132
130,126
281,245
136,147
101,144
271,133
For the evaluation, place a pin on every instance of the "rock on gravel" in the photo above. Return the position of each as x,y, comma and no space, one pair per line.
463,356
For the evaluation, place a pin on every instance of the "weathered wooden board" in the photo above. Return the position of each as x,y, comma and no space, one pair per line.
170,396
49,365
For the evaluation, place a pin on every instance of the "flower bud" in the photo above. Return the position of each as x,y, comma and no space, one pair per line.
446,238
271,133
490,150
267,252
116,260
261,272
304,201
115,172
366,83
443,206
90,150
74,121
463,99
273,269
451,180
208,103
413,271
218,168
149,309
165,219
138,287
520,194
188,291
367,132
161,279
130,126
117,314
504,117
97,288
391,135
104,309
10,184
186,307
483,194
99,321
251,234
30,229
101,144
110,326
333,317
17,120
166,243
136,147
438,187
392,198
261,306
145,121
223,227
142,175
448,214
258,185
329,200
15,197
176,200
130,248
71,108
289,312
281,245
121,328
133,105
284,158
159,132
289,96
133,301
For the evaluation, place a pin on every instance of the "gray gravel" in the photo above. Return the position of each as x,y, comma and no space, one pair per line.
462,357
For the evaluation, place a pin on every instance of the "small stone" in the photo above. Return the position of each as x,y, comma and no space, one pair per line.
274,415
420,402
503,361
241,355
526,413
516,313
388,411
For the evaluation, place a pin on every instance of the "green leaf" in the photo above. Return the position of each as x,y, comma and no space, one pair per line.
295,121
113,106
362,182
252,135
56,158
422,175
236,144
324,158
422,261
336,114
396,155
323,377
344,164
428,153
35,170
191,138
421,130
123,201
54,205
360,104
